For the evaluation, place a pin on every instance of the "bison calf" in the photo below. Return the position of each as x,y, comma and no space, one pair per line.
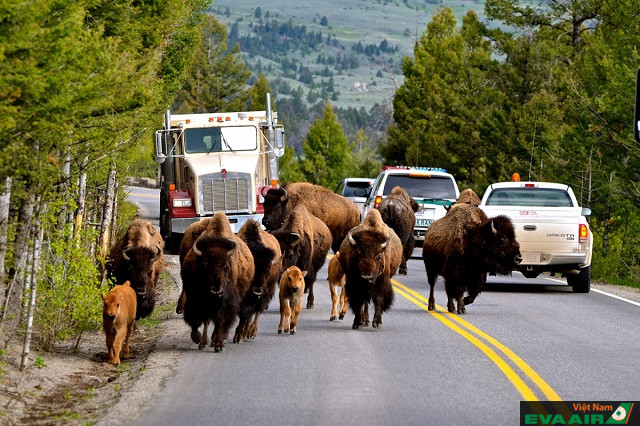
337,279
291,295
118,320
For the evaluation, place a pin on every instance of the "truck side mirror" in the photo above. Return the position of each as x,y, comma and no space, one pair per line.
636,121
160,157
586,211
279,148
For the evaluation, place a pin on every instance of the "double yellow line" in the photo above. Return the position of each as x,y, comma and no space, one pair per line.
450,321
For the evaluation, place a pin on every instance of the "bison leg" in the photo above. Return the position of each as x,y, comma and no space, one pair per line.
240,329
204,337
308,284
126,350
181,302
344,300
334,302
475,288
285,316
252,330
219,335
294,317
365,314
461,309
402,270
432,299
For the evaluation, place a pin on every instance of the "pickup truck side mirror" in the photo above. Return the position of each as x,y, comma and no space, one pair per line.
586,211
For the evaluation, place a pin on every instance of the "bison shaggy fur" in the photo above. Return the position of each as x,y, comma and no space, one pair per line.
216,273
337,212
137,257
398,211
370,256
291,295
267,260
462,247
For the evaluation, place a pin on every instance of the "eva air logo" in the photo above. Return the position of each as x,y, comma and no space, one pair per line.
621,414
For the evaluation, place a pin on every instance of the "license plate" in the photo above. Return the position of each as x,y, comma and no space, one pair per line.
424,222
530,257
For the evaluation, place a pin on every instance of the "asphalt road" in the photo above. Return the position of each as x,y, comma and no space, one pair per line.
522,339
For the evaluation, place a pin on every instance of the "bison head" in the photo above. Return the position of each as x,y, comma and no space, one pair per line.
499,250
367,257
296,248
214,260
264,259
276,208
139,262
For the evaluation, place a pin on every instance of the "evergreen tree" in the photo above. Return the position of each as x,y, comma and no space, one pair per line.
257,100
327,152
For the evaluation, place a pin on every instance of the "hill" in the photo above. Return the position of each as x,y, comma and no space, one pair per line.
349,52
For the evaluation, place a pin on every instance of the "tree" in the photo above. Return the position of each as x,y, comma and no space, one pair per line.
327,152
257,99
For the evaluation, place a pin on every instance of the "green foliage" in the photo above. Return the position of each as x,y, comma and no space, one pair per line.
327,152
39,362
69,301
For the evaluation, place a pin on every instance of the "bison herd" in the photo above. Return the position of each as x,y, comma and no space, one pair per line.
229,277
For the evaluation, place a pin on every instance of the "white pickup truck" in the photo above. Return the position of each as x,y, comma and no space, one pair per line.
550,226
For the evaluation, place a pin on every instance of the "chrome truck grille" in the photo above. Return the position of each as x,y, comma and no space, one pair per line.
230,195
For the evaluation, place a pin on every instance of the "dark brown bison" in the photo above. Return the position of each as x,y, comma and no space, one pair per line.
216,273
267,260
137,257
463,246
305,241
468,196
337,212
370,256
398,211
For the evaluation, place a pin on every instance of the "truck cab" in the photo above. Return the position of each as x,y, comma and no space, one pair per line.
213,162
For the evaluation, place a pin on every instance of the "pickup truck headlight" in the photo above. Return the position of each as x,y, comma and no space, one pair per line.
182,202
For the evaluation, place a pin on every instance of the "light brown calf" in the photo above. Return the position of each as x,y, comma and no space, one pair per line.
118,320
291,295
337,279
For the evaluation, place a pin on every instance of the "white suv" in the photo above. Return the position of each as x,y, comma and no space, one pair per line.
433,189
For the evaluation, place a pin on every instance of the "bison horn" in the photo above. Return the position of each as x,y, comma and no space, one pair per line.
384,245
158,254
195,249
493,229
297,239
232,247
285,197
278,260
351,240
125,256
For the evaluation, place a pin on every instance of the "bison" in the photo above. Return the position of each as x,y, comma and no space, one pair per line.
137,257
398,211
468,196
338,213
216,273
118,320
337,279
291,294
267,260
370,256
304,240
462,247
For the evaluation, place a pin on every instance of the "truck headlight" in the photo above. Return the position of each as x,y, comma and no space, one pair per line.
182,202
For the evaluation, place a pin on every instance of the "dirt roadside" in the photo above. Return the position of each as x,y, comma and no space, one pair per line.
81,388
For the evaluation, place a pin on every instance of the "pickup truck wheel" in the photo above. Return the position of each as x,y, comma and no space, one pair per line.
174,243
581,283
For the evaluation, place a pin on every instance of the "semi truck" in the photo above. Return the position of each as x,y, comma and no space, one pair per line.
210,162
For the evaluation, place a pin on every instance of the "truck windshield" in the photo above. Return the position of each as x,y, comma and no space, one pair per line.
219,139
434,187
530,197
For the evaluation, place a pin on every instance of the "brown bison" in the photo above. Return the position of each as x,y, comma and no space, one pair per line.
398,211
216,273
468,196
337,279
337,212
370,256
463,246
304,240
291,295
118,320
137,257
267,260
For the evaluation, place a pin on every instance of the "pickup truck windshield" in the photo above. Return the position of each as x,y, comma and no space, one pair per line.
529,197
219,139
434,187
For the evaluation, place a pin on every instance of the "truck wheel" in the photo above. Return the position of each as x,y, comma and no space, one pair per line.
581,283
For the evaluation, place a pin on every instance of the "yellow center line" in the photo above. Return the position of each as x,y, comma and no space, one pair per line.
546,389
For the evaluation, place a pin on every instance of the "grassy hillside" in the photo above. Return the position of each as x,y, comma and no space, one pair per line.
312,50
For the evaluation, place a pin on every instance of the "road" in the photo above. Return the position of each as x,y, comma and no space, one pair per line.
522,339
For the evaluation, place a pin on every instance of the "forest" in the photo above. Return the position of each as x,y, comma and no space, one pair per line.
548,94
